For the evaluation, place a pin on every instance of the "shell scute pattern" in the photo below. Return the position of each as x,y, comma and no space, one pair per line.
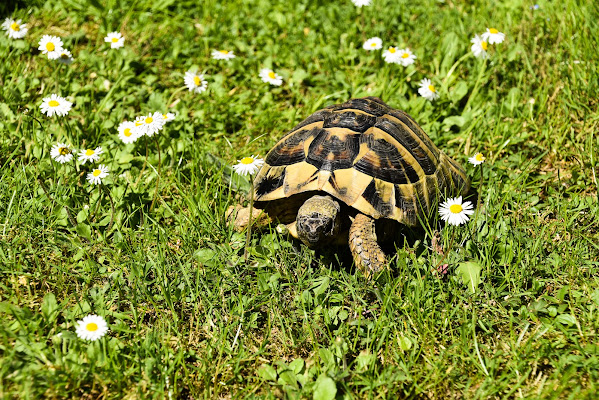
366,154
330,151
350,120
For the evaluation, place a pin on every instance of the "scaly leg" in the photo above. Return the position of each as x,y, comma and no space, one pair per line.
240,217
368,256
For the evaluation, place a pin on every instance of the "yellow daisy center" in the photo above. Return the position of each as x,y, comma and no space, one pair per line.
139,123
149,120
64,55
484,45
405,55
455,208
479,157
493,31
392,50
246,160
53,103
271,75
15,27
115,39
97,172
89,152
92,327
50,46
373,44
431,88
127,132
223,51
63,151
197,80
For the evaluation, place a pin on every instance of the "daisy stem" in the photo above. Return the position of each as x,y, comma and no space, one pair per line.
480,184
111,207
386,73
362,25
453,67
248,233
69,215
448,249
158,178
476,84
143,168
170,100
56,75
98,202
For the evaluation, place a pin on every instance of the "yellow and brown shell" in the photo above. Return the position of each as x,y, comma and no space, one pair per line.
366,154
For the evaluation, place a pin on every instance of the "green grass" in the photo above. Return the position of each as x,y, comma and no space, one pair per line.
187,314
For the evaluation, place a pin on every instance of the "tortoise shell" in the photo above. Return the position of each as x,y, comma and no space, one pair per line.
366,154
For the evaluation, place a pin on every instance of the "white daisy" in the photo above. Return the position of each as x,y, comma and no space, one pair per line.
61,152
399,56
195,82
14,29
65,57
55,105
150,124
360,3
479,47
91,327
477,159
115,39
95,177
427,90
406,57
51,46
248,165
168,117
91,155
493,36
269,76
222,55
391,55
127,132
454,212
373,43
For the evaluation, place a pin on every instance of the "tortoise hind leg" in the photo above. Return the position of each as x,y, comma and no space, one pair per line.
240,217
367,253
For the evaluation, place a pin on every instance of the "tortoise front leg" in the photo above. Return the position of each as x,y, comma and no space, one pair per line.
240,217
367,253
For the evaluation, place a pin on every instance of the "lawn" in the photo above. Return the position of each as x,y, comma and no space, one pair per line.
513,314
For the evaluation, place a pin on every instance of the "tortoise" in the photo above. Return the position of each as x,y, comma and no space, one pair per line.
347,168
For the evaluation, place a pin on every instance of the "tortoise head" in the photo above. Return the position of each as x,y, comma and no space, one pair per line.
318,220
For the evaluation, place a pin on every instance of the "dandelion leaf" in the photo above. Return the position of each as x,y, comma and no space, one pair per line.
470,273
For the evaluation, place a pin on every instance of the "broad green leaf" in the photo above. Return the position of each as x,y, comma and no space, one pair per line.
595,297
566,319
205,256
405,343
84,230
267,372
297,365
49,307
454,120
321,285
327,358
325,388
459,91
364,360
287,377
512,99
470,273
